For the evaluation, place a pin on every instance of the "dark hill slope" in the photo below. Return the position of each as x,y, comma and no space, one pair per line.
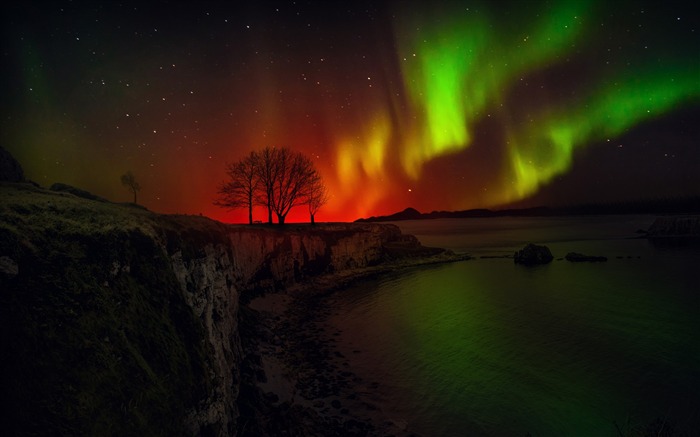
118,321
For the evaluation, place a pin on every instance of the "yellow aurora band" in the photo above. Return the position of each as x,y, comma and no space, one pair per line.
458,65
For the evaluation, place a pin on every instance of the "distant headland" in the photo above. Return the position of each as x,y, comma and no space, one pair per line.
683,205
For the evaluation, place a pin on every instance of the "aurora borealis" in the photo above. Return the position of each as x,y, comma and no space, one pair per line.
434,105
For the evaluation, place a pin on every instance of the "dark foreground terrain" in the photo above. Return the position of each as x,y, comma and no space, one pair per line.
118,321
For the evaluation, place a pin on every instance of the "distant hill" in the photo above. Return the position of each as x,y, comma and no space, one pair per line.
685,205
414,214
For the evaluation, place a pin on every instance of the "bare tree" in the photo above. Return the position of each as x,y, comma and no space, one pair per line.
241,189
317,195
294,173
267,172
276,178
129,181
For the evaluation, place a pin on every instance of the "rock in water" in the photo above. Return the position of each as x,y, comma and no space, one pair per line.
533,254
579,257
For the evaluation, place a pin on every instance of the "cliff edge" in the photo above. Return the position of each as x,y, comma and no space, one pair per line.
118,321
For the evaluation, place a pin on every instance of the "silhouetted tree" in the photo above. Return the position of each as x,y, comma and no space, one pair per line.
267,172
129,181
294,174
285,177
276,178
241,189
317,195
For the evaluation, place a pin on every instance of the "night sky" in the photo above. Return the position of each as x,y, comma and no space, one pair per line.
434,105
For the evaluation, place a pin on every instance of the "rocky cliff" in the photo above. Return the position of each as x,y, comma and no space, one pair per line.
679,227
118,321
269,258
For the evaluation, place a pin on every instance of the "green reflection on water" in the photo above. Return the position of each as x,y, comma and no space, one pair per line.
557,349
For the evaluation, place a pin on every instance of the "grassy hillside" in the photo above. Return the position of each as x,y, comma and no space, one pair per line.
96,336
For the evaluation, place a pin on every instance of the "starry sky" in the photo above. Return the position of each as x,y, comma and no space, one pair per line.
434,105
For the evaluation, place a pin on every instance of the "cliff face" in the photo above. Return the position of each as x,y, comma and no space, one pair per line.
117,321
273,258
262,259
207,283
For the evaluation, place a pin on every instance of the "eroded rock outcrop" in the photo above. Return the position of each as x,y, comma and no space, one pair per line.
272,258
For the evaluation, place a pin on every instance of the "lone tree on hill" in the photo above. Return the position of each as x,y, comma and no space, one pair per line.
276,178
241,188
129,181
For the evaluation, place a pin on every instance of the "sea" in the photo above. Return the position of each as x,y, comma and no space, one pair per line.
488,347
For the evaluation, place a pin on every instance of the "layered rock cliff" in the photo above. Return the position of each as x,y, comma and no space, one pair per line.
118,321
679,227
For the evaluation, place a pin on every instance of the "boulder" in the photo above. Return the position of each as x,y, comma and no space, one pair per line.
533,254
8,266
579,257
10,170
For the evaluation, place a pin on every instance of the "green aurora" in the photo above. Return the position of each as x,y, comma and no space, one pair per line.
547,149
461,63
439,105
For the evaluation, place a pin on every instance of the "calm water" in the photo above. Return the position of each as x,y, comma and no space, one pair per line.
486,347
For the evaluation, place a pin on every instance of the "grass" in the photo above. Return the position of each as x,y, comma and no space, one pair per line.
97,338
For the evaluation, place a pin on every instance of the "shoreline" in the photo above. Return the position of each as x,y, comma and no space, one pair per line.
302,382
